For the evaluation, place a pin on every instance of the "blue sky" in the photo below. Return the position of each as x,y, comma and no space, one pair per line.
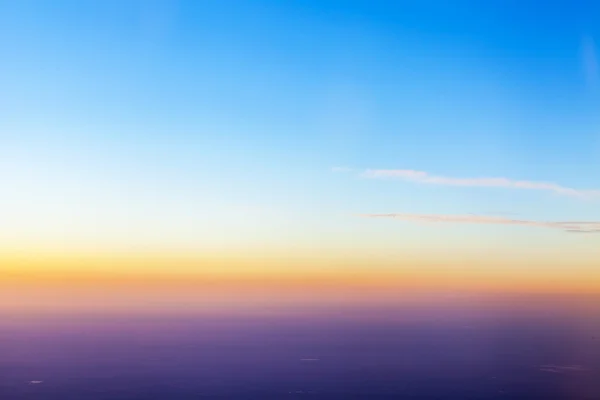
218,123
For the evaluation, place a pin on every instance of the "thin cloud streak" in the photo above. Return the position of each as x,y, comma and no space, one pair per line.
568,226
425,177
589,60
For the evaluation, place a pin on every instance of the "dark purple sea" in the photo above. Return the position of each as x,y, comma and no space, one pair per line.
384,353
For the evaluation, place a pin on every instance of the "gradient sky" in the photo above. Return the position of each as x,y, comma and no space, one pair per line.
276,127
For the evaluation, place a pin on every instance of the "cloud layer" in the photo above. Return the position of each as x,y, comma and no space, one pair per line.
567,226
425,177
561,369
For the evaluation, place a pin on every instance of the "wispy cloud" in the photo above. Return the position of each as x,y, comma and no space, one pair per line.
566,226
426,178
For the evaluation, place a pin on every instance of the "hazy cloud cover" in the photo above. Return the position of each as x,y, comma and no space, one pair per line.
341,169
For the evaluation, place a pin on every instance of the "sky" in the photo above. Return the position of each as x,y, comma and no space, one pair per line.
292,136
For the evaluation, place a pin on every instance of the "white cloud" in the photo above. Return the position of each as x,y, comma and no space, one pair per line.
426,178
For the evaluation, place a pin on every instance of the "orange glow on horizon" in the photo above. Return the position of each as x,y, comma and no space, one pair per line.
162,276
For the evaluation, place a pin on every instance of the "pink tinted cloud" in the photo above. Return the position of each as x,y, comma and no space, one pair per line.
566,226
425,177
